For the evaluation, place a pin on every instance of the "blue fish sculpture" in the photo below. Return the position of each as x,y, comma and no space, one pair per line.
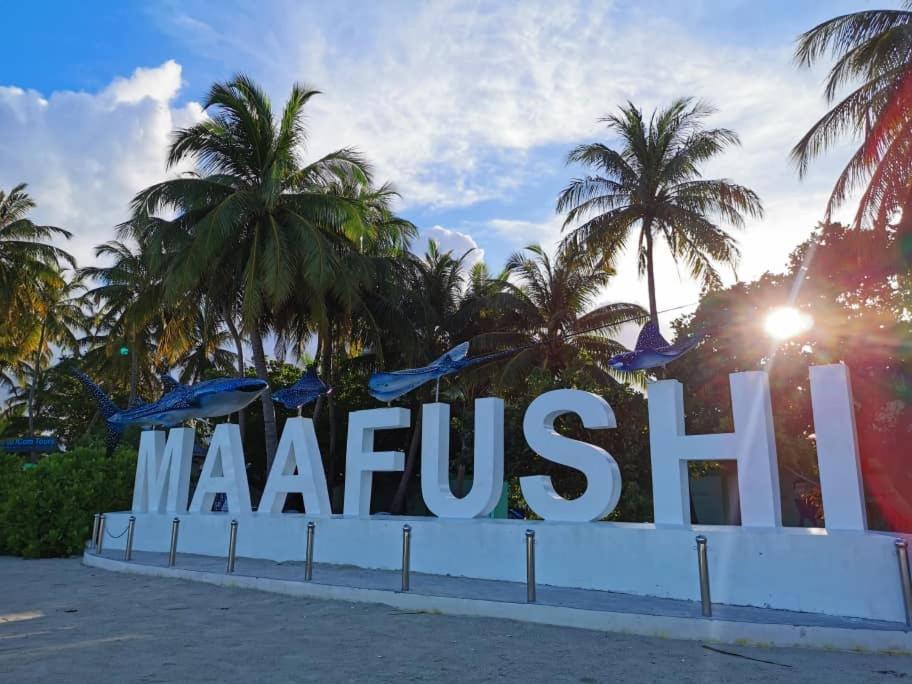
652,350
168,383
207,399
392,385
304,391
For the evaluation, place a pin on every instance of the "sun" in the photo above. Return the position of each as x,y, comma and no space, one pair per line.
786,321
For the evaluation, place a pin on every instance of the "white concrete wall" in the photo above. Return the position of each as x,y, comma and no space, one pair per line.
838,573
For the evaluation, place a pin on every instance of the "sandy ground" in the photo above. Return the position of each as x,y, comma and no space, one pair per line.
62,622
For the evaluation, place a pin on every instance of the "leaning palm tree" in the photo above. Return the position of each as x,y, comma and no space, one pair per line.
253,219
560,327
873,53
651,187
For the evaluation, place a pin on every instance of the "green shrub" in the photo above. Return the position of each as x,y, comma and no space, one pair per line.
47,510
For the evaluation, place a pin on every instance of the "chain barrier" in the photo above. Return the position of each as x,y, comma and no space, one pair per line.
117,536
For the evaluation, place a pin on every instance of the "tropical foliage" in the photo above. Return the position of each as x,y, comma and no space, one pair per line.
556,325
872,50
856,286
28,261
47,510
260,252
652,189
255,217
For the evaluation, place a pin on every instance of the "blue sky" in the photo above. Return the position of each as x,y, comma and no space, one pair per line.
467,107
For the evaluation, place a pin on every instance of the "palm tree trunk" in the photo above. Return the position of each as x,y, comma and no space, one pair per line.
318,358
650,273
31,405
333,448
88,430
269,419
134,373
36,379
411,463
239,350
33,390
460,479
327,368
464,454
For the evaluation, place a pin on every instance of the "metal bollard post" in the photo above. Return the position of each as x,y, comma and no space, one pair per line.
232,546
172,555
703,566
95,522
99,543
406,555
128,548
902,558
530,566
309,560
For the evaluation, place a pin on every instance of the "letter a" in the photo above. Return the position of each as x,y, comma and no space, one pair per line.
223,471
298,449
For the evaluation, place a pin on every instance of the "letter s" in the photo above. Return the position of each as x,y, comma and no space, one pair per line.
603,478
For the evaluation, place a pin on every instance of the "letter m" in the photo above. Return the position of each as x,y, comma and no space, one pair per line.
162,482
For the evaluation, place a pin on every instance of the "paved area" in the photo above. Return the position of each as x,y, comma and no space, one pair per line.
494,590
60,621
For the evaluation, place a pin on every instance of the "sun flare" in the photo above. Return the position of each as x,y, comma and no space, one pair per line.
785,322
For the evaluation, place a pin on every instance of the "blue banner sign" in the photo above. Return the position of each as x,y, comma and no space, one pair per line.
24,444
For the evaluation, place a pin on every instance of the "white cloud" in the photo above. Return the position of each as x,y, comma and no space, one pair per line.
452,101
449,97
522,233
450,241
84,155
159,84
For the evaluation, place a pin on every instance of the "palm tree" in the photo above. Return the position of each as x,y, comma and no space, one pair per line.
419,309
377,240
56,315
253,220
652,187
127,298
206,341
26,257
873,53
559,328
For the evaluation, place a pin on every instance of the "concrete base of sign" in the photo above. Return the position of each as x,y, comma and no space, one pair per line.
554,606
851,574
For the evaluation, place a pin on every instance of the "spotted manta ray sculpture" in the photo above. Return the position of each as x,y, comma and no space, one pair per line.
303,392
392,385
652,350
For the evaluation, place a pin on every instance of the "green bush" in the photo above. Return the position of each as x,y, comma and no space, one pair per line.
47,510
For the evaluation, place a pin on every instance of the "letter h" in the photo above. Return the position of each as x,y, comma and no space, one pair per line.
752,445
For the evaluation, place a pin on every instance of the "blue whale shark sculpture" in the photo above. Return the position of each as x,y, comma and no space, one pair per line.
207,399
652,350
304,391
392,385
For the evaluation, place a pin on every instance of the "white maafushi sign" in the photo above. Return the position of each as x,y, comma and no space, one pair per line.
163,468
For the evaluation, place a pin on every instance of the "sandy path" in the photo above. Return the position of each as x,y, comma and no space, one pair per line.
62,622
